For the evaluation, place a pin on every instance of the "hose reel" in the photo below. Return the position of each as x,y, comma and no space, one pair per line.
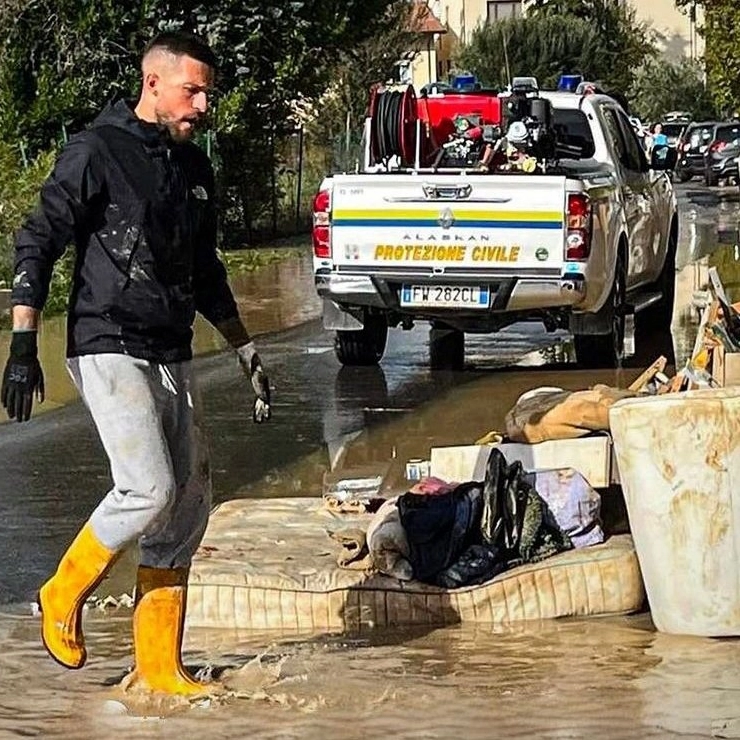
393,117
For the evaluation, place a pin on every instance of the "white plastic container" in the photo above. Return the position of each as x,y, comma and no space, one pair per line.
679,464
590,456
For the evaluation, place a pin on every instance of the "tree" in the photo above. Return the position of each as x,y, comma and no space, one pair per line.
721,31
544,47
661,85
625,42
62,59
359,67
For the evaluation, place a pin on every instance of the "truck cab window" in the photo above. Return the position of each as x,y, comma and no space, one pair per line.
574,131
637,161
613,135
613,131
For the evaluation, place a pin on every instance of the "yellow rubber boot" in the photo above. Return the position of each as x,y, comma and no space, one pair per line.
159,616
62,597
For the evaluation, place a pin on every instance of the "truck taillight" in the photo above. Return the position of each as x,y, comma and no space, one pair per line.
717,146
322,224
578,233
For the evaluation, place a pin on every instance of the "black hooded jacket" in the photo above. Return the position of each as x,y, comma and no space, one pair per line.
140,210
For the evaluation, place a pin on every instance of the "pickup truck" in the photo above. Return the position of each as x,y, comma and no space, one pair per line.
580,246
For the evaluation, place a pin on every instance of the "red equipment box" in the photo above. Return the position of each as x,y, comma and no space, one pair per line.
439,111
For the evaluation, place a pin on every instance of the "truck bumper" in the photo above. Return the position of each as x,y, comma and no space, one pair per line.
509,294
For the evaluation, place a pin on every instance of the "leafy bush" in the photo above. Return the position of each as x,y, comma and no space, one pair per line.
20,184
61,282
19,189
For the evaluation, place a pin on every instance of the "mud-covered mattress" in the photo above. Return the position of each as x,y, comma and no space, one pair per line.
270,564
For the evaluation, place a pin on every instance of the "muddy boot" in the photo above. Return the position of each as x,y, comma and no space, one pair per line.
159,616
62,597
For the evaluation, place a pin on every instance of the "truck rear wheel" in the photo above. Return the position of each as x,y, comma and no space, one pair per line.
364,346
446,348
607,350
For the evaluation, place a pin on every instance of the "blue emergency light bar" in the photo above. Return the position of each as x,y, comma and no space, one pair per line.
569,83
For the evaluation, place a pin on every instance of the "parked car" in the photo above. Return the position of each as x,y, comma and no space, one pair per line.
721,156
691,149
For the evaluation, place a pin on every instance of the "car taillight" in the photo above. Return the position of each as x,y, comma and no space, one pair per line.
718,146
322,224
578,233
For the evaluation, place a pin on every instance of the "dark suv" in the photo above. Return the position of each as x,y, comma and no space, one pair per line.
691,149
721,156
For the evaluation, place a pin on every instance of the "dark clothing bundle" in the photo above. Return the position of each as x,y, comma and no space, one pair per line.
479,530
439,528
140,209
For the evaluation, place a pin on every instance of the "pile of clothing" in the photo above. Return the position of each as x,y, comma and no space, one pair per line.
454,535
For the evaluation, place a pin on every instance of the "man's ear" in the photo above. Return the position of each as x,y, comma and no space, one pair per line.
151,82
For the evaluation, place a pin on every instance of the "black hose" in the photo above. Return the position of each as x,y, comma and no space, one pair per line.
387,123
380,126
394,123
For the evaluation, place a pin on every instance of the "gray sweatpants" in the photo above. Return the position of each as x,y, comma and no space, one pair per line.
147,420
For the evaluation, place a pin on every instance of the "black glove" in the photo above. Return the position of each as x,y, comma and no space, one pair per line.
22,377
252,367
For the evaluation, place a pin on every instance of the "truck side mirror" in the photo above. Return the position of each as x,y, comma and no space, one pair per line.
663,157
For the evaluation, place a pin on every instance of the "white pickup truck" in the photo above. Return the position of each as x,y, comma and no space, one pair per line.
580,246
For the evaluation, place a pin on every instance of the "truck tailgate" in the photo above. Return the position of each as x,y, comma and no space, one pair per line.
493,224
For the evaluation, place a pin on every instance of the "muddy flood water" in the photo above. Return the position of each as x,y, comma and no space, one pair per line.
609,678
606,677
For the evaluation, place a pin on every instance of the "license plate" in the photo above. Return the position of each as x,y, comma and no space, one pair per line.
445,296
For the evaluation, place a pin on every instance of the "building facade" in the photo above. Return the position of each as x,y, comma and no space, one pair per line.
678,32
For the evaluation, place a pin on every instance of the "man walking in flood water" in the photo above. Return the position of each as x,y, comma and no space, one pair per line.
137,199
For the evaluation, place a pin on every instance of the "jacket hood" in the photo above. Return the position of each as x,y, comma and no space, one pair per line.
120,113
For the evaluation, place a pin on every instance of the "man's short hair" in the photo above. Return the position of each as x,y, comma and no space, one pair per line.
180,44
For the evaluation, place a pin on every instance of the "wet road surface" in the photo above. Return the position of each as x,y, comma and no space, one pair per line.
614,677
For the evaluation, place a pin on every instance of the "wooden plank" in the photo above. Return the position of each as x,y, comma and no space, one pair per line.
647,375
710,311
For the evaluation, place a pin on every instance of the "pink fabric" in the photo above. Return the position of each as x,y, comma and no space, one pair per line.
432,487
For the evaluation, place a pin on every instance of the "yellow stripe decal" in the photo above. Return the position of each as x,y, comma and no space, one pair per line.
462,214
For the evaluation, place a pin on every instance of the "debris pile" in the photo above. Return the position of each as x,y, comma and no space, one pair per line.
715,359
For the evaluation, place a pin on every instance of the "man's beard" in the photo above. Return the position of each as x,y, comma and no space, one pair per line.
177,131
